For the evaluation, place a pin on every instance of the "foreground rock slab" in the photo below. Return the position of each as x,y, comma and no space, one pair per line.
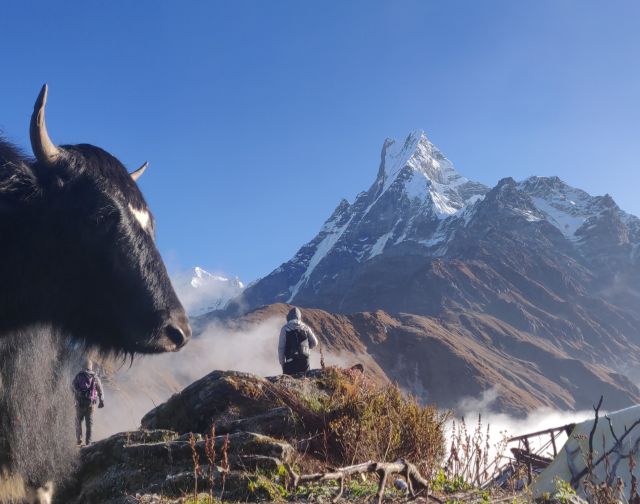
148,462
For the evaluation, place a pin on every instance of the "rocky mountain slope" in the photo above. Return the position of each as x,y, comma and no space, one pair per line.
444,360
548,264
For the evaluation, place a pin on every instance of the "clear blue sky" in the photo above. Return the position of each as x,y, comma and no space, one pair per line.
258,116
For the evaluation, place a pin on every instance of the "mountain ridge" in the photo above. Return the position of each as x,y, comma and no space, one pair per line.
446,360
554,264
392,212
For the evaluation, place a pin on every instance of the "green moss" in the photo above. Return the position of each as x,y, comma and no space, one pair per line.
449,485
200,499
359,488
261,487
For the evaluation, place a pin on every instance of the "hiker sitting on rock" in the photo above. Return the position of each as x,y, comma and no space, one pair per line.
296,339
88,391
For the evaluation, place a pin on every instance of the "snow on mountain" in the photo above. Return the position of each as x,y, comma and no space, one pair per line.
419,205
566,207
201,292
534,273
416,189
423,173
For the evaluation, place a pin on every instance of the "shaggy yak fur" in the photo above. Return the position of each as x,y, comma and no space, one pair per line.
79,270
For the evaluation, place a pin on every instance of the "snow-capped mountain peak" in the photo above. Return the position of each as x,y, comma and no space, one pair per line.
416,190
420,155
567,208
419,170
420,211
201,292
202,278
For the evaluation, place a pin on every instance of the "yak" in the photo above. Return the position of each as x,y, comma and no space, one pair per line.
79,269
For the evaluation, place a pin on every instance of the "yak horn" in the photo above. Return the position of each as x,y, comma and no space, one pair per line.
43,148
138,173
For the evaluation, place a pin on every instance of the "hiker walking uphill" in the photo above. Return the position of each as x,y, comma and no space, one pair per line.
296,339
88,392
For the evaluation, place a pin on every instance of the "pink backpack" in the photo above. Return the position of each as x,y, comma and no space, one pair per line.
86,391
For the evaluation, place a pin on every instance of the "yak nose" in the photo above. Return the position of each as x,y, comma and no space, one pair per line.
176,332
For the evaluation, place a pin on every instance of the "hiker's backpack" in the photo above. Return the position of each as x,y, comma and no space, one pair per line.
296,345
86,390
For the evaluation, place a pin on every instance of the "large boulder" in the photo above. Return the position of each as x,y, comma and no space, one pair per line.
278,422
219,397
233,401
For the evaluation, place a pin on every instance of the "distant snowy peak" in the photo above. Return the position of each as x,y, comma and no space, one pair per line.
202,279
565,207
201,292
419,170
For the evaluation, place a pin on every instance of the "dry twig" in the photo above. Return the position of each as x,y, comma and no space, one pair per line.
383,469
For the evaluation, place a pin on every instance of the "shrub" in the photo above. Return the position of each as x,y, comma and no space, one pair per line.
359,420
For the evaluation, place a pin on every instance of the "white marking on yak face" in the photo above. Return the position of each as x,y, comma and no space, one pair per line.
142,216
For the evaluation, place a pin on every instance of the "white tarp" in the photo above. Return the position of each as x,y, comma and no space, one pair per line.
571,462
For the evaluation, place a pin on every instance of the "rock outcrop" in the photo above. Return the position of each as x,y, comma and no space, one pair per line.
221,396
255,435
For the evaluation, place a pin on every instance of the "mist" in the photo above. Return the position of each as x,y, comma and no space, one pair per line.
502,425
134,390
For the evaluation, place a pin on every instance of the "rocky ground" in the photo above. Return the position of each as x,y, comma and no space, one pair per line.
238,437
242,458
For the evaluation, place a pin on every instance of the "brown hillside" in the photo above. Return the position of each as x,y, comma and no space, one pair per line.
443,360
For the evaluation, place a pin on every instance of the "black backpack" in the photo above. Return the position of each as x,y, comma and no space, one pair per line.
296,345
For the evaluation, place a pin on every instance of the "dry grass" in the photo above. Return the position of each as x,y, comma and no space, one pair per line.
198,472
359,420
371,422
474,457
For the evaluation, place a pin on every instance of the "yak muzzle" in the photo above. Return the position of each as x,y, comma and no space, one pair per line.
175,333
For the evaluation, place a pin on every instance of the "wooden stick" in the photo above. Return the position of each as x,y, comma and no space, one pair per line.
383,469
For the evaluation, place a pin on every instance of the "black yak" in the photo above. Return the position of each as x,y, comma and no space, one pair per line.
78,265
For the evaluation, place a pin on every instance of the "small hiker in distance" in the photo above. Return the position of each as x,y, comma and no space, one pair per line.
88,392
296,340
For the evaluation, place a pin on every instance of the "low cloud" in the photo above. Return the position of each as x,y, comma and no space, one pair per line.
503,425
133,391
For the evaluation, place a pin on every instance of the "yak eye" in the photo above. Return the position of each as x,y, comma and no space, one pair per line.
104,215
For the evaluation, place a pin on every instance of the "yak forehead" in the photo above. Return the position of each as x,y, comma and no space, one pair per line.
143,216
114,179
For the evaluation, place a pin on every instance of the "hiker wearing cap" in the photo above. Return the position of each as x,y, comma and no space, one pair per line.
88,392
296,339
